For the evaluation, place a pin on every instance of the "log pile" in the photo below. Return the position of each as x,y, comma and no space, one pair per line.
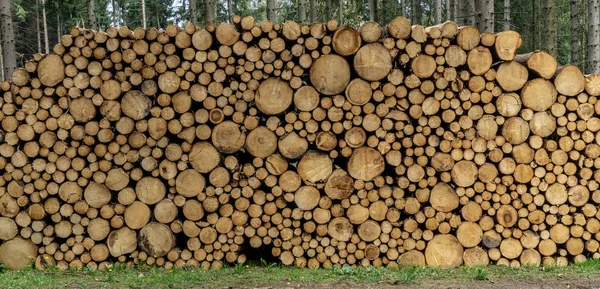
321,145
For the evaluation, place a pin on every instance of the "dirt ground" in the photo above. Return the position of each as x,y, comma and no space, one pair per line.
500,284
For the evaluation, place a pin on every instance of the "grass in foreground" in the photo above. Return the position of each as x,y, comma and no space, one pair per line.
256,275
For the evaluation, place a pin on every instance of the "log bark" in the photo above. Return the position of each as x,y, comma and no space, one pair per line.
9,54
593,57
192,11
91,8
484,15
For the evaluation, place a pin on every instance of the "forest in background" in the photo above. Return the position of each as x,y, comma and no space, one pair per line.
568,29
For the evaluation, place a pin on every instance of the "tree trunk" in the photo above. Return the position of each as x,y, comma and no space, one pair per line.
91,6
549,26
461,13
37,26
372,10
271,6
593,66
1,67
114,13
449,14
471,12
46,42
327,10
382,15
313,11
229,10
144,13
485,15
403,7
58,25
193,15
123,21
416,11
506,15
302,11
211,10
533,25
438,11
456,10
377,9
9,54
341,11
575,44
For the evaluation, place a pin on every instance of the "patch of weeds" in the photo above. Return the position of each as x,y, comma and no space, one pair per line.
407,276
343,271
88,270
481,274
295,275
2,268
239,268
268,265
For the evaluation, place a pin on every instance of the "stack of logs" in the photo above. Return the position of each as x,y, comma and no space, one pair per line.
321,145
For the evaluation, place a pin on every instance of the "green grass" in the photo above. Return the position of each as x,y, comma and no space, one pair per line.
270,274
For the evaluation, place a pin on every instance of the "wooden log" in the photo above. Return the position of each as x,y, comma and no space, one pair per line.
97,195
315,167
365,164
340,229
592,84
261,142
330,74
274,96
137,215
569,81
479,60
204,157
399,28
228,137
506,44
339,185
511,76
150,190
372,62
443,198
540,62
9,230
346,41
135,105
122,241
17,253
444,251
307,197
156,239
51,70
370,31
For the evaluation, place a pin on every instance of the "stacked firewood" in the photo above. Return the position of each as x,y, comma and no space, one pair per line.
319,145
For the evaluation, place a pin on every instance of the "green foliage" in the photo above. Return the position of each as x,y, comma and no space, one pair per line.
239,268
481,274
61,15
408,276
119,276
20,12
266,264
